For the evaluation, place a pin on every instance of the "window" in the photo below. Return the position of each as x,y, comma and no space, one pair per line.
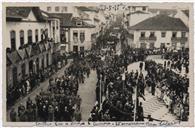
152,34
46,33
23,67
43,66
75,49
151,45
144,8
75,36
21,38
82,36
79,23
36,35
82,49
162,45
142,34
30,36
49,9
42,31
15,75
143,45
63,48
13,40
163,34
174,34
64,9
183,34
134,9
57,25
37,65
47,57
57,9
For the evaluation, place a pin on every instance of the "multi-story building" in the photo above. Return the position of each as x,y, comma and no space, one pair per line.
32,39
78,22
160,31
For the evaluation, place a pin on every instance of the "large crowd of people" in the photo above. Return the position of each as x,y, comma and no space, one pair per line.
60,102
179,60
118,91
160,80
115,88
171,88
29,82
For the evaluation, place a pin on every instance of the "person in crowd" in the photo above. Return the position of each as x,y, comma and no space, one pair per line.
13,115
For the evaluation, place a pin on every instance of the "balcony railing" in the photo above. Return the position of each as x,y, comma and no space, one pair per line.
75,39
183,39
153,38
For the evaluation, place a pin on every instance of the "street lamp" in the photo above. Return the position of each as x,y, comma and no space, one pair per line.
136,98
100,95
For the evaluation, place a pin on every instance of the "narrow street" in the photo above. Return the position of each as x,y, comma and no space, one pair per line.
88,95
44,85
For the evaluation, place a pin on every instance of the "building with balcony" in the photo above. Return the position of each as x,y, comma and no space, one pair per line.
32,40
87,22
80,35
160,31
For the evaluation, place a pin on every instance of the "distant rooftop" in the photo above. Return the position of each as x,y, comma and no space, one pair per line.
186,12
13,13
163,11
161,22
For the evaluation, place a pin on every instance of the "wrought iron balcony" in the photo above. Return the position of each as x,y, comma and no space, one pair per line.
182,39
152,38
75,39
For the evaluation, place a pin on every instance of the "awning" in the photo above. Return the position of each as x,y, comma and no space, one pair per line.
14,57
22,53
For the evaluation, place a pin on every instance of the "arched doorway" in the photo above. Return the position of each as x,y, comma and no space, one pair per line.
37,65
15,75
31,66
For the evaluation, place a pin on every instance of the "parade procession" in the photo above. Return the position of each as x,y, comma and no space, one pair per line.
97,62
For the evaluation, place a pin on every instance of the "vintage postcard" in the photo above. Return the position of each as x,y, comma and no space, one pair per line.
98,64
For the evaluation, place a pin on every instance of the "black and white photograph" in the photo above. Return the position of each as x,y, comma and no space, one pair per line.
103,64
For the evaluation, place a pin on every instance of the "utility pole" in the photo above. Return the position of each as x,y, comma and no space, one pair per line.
135,108
100,96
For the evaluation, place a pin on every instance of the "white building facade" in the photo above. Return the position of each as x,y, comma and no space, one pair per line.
31,41
160,32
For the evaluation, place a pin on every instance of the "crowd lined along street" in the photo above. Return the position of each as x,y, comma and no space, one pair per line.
94,65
